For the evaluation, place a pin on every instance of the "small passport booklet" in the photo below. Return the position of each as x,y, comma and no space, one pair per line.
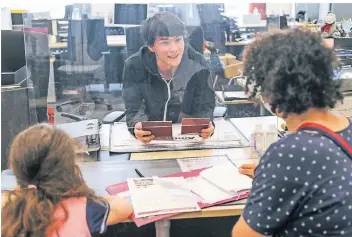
194,125
162,130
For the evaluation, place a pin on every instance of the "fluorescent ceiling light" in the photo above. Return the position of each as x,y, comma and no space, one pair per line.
165,5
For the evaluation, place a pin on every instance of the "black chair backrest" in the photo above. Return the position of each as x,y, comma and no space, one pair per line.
196,37
134,40
86,38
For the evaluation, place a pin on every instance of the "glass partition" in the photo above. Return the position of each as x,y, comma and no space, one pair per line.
88,60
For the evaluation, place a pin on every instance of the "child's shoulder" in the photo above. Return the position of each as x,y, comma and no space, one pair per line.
84,215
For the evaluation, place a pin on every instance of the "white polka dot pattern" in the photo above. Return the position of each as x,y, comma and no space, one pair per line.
302,187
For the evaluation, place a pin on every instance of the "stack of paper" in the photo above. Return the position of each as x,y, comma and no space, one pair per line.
227,178
219,183
156,196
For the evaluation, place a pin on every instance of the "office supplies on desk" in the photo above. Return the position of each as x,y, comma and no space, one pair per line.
247,125
122,189
139,173
86,132
225,136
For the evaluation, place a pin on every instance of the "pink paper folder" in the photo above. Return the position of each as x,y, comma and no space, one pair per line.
123,187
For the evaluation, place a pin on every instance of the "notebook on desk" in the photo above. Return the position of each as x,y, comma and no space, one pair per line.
227,178
207,194
156,196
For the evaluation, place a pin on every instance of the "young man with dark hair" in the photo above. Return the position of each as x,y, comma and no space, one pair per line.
167,80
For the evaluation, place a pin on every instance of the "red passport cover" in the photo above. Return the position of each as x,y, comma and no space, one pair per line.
194,125
162,130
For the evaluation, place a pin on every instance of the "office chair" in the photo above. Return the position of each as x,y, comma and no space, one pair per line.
134,40
195,36
87,45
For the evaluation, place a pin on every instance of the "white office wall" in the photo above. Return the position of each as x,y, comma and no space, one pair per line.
323,10
342,10
279,8
103,10
6,23
57,10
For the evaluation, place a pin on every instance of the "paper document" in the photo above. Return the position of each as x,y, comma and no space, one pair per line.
156,196
104,133
227,178
209,192
193,163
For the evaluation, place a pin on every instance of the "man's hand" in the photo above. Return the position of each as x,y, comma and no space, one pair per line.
207,132
143,136
248,169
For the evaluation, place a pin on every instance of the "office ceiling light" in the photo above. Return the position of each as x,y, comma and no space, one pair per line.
165,5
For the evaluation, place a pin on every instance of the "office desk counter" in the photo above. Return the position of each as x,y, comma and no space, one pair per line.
99,175
115,168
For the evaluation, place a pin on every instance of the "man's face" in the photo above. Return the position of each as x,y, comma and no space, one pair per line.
168,50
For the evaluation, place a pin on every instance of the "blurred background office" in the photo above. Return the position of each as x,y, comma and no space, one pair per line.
62,63
71,56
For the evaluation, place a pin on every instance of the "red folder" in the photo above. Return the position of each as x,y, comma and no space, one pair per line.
123,187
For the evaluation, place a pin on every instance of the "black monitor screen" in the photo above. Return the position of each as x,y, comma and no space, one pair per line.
12,51
130,14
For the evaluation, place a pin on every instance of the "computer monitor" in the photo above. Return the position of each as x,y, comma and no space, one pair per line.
343,43
13,56
130,14
68,12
